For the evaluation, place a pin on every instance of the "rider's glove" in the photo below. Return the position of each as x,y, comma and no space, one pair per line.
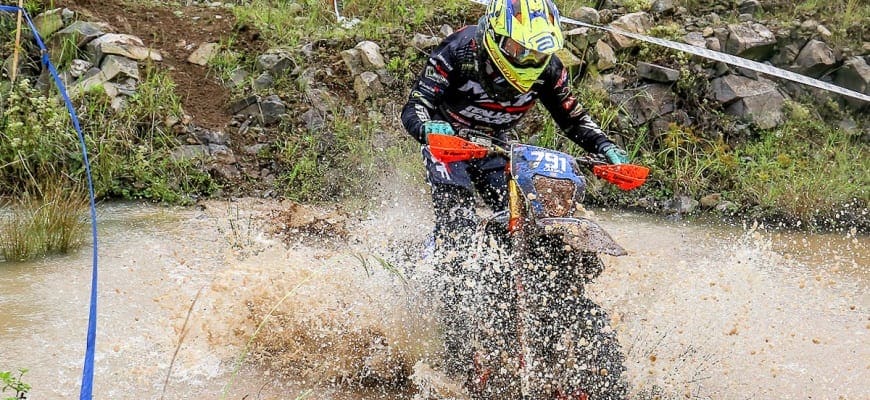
434,126
615,155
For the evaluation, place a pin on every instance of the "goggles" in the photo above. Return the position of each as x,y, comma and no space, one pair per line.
520,56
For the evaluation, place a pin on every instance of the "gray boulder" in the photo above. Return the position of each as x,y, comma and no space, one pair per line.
371,55
588,15
854,75
750,40
49,22
421,41
203,54
605,56
757,101
657,73
275,61
353,61
367,85
79,32
815,59
639,22
646,102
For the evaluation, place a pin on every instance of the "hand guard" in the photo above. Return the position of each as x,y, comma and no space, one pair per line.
434,126
615,155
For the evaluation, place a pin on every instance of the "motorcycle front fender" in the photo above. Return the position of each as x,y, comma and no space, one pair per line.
581,234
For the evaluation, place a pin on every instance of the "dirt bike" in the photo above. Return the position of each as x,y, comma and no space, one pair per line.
533,332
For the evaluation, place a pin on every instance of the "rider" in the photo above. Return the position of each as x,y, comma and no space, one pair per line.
486,77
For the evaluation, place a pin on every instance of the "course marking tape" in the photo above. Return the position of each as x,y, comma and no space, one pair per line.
718,56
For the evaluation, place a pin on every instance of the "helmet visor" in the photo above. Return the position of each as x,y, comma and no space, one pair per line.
520,56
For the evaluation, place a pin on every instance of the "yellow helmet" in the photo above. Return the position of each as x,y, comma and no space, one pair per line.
520,36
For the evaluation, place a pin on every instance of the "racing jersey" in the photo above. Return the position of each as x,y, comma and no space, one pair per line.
450,89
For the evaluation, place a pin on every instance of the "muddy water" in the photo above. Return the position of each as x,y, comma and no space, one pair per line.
702,310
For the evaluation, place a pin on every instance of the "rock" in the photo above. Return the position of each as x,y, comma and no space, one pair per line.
446,30
275,61
203,54
266,111
681,205
239,78
610,82
824,32
49,22
810,25
353,61
750,7
571,62
765,110
271,110
713,43
222,153
695,39
580,38
606,56
726,206
313,120
122,45
79,67
749,73
713,18
639,22
786,55
264,81
367,85
750,40
732,87
386,78
657,73
120,67
421,41
854,75
240,105
189,153
126,87
371,56
226,171
588,15
711,200
757,101
256,150
79,32
208,136
320,99
815,58
662,7
67,15
646,102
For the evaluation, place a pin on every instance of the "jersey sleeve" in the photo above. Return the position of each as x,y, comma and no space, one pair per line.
427,93
569,115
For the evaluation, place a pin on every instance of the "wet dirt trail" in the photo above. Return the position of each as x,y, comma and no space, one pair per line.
702,311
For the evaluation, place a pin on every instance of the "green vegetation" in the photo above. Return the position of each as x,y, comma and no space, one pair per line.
804,170
9,381
49,220
130,154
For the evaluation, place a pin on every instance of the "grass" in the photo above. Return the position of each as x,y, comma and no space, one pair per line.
808,167
361,142
50,221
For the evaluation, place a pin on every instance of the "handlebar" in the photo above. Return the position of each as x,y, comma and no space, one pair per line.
495,146
470,144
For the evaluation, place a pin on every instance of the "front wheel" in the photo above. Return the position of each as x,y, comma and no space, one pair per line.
572,353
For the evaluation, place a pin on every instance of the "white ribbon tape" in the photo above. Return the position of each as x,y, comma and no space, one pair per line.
726,58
